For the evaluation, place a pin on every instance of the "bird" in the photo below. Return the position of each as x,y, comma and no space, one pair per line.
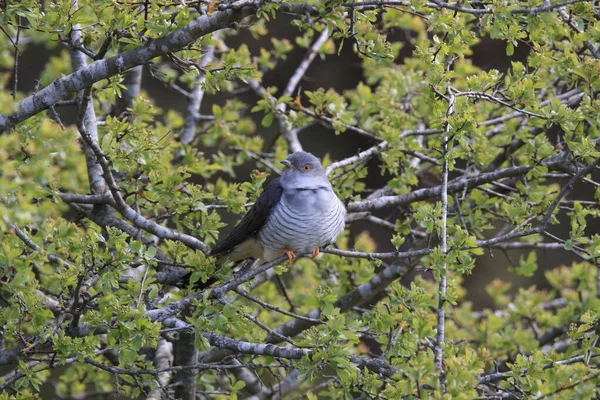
297,213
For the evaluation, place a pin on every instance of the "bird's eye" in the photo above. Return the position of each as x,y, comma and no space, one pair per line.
307,167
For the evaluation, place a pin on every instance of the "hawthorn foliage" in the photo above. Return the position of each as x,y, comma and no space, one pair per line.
105,223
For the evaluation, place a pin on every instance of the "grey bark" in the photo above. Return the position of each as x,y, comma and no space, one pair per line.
61,88
78,62
185,355
195,99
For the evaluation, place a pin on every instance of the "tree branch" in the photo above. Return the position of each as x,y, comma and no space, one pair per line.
439,5
162,359
457,185
443,271
61,88
238,346
291,135
575,26
359,157
185,355
87,115
127,211
188,133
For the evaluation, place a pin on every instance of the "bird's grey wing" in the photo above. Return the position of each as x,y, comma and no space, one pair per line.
253,221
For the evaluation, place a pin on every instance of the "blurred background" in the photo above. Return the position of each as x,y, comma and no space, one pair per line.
340,73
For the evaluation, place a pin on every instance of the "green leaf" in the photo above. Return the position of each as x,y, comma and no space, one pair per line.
267,119
510,49
151,252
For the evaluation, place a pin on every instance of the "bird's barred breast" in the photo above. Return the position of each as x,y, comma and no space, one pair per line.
301,226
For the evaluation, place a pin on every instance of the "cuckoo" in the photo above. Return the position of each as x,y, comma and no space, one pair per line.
297,213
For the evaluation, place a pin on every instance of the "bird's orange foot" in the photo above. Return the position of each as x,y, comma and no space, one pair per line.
291,255
315,253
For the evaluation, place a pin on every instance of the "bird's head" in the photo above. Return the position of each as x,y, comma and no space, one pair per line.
302,169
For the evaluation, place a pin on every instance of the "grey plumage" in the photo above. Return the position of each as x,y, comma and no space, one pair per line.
298,212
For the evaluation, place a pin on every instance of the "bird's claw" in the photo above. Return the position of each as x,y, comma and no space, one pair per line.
291,255
315,253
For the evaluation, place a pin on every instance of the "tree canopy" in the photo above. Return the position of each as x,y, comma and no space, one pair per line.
110,200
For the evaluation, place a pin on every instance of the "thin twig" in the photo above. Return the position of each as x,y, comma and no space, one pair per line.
266,305
16,64
291,135
493,99
127,211
440,311
359,157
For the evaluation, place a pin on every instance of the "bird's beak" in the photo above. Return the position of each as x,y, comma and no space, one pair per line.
287,164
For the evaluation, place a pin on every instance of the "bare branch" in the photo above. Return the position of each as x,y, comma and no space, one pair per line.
359,157
305,63
290,134
457,185
102,198
465,182
330,122
439,5
261,159
268,306
188,133
223,342
162,359
87,115
186,356
571,97
15,44
493,99
440,311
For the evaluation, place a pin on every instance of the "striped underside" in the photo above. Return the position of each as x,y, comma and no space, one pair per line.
301,227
